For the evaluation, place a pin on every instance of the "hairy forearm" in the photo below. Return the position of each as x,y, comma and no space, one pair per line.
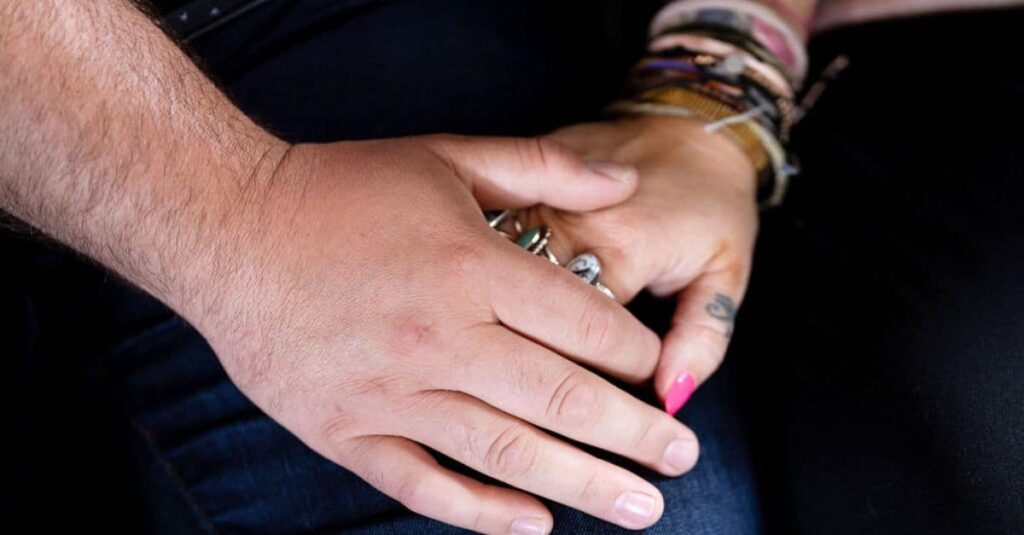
113,142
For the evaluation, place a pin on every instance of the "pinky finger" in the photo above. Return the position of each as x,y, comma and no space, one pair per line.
405,471
695,345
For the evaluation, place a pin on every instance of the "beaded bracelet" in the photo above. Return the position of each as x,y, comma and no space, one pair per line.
728,80
699,106
764,113
714,47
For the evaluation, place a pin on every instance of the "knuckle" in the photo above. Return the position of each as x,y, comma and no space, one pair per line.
538,153
597,326
337,429
417,495
618,229
465,259
643,435
512,453
592,490
441,144
435,402
732,264
385,386
735,275
414,335
713,339
574,402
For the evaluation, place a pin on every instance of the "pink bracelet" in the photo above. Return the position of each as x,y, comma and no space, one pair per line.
764,24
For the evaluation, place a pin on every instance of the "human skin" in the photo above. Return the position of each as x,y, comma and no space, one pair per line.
353,291
832,13
688,231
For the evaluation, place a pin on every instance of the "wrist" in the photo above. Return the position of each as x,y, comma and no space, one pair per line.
224,237
686,139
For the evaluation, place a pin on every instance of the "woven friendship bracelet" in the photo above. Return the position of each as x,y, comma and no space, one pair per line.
721,78
700,107
698,43
732,64
743,18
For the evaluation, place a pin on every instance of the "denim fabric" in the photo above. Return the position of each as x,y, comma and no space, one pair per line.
884,343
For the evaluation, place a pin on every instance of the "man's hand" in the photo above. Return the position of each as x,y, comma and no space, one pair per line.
384,314
352,290
689,229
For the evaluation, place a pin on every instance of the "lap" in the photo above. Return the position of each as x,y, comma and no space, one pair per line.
366,69
883,330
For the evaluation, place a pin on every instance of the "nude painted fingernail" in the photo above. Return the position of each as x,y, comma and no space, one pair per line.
681,454
614,170
682,389
635,509
530,526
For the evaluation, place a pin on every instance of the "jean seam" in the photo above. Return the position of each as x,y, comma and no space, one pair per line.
176,478
160,329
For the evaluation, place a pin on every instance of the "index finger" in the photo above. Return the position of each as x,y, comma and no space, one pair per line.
550,305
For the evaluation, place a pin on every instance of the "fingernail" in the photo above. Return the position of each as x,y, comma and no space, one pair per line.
619,172
680,392
635,509
530,526
681,455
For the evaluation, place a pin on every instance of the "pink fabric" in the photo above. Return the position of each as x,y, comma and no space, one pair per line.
833,13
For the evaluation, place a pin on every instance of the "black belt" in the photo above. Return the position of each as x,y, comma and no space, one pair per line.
200,16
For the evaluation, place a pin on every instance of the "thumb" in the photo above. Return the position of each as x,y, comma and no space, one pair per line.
520,172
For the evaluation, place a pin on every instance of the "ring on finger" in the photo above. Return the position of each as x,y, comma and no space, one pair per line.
587,266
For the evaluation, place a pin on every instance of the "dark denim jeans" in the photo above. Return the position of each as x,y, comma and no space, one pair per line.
203,458
883,349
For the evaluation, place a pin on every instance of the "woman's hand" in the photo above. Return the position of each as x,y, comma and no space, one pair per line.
372,311
690,228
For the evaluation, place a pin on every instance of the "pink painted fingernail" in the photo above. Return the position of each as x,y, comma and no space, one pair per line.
682,389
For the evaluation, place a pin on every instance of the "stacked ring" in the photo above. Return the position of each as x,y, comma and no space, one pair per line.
535,240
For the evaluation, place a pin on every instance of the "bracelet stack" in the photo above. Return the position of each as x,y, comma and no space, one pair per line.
733,64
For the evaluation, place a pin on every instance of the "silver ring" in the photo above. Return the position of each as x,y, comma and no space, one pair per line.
587,267
496,217
604,289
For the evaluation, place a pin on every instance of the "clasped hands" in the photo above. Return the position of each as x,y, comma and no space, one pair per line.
388,319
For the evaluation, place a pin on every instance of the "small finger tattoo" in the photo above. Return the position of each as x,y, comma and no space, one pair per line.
723,308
